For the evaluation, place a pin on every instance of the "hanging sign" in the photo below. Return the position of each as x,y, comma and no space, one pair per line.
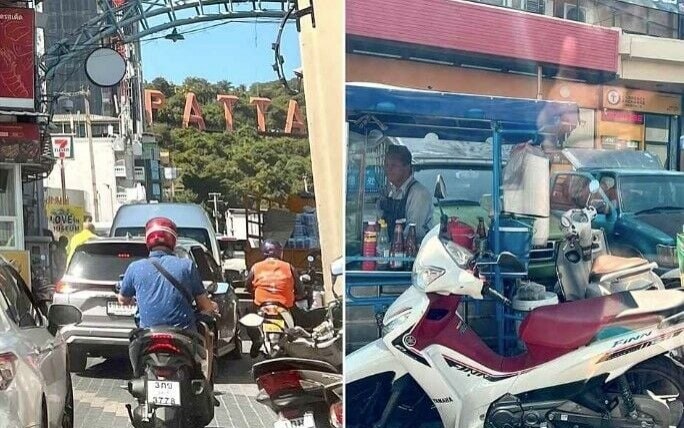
63,147
65,220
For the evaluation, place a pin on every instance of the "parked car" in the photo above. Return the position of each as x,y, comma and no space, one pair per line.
191,219
640,210
89,284
35,385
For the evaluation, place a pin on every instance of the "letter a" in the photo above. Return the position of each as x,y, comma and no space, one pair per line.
193,112
295,122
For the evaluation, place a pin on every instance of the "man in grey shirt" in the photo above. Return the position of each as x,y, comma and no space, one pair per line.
407,198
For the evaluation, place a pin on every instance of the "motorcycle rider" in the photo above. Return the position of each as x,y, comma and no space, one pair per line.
164,286
272,280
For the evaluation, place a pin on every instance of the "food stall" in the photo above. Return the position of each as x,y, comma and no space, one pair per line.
378,116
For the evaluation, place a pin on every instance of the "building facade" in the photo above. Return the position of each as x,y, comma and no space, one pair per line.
622,63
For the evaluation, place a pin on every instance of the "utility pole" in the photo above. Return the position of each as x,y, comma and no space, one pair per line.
215,196
89,134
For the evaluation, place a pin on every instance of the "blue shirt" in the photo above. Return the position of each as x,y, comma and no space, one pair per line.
159,302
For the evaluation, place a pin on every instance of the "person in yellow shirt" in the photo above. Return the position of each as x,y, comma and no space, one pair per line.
86,234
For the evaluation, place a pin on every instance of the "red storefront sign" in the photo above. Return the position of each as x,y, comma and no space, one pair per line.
622,116
20,142
17,57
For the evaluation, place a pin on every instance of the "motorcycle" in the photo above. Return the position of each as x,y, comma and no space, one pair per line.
305,388
173,375
594,362
586,269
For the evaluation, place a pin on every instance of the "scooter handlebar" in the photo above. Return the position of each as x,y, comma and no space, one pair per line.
488,291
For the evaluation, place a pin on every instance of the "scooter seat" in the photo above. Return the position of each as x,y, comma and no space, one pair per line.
606,264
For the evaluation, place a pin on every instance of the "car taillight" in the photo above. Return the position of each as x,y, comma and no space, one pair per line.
162,343
63,288
276,383
8,368
336,415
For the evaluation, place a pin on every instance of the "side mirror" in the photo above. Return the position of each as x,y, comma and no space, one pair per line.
594,186
251,320
440,188
63,315
221,288
337,266
508,261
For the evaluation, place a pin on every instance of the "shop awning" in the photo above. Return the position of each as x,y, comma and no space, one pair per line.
401,112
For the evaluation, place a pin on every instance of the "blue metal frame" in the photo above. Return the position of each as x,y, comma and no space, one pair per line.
410,113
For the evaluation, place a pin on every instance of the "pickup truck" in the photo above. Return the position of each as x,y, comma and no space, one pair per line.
640,210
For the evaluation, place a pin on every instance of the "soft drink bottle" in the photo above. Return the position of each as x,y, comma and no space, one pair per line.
397,246
370,238
411,244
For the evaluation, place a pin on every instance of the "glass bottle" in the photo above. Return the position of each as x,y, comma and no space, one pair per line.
397,246
383,249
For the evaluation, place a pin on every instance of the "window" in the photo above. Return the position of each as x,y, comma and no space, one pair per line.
574,13
15,292
203,264
106,261
9,220
570,191
657,135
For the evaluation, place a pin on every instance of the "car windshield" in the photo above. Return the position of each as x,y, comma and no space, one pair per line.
105,261
195,233
641,193
463,184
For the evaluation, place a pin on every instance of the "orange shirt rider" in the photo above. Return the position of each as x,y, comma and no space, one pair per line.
273,280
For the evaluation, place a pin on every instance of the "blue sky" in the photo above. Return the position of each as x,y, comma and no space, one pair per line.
239,52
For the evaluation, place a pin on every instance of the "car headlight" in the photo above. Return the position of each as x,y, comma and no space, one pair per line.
395,322
666,256
422,276
459,254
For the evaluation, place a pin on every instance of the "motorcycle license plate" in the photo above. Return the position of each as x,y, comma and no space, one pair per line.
274,326
304,422
115,308
163,393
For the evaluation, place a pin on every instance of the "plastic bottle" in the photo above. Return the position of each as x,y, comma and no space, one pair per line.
411,244
383,248
370,242
397,246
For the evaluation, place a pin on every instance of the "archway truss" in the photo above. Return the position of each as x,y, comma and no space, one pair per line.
153,16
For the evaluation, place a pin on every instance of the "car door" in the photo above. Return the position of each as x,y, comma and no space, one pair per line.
48,352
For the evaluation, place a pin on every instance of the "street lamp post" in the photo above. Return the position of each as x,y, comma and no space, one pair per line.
215,196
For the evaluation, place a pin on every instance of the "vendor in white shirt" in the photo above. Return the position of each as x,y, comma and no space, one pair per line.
406,197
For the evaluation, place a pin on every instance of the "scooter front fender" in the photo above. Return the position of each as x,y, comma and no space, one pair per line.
370,360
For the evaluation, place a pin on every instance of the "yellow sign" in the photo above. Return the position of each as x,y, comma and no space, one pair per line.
617,98
21,261
65,220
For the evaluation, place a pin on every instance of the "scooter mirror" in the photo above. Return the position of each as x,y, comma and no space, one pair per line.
221,288
594,186
251,320
440,188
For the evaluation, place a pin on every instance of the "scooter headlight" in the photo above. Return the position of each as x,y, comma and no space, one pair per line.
459,254
425,275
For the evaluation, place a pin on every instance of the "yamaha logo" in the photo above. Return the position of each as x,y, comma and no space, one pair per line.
409,340
613,97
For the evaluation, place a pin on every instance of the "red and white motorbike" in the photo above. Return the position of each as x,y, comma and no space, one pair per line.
598,362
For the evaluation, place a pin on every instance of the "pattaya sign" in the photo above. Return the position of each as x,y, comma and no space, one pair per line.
64,220
192,114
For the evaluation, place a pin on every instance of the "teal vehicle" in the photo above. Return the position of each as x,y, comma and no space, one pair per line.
640,205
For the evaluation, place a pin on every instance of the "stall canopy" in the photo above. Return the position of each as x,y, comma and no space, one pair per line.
401,112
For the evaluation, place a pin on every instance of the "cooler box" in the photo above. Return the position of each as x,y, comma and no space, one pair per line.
515,236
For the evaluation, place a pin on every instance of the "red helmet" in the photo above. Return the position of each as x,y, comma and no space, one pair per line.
160,232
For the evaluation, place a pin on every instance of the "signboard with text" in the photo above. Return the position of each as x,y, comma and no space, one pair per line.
616,98
63,147
17,58
65,220
19,142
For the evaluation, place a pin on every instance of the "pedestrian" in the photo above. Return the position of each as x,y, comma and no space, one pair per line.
406,197
59,258
84,235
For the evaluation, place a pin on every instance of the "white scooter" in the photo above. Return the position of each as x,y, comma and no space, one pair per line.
595,362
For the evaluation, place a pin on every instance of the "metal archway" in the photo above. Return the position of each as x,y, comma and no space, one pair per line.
153,16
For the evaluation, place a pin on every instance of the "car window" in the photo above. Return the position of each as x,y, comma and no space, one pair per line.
20,308
570,191
464,184
195,233
105,261
202,262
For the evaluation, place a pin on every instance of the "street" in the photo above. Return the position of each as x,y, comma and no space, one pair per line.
100,402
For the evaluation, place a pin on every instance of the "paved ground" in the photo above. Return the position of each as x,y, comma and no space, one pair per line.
99,401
